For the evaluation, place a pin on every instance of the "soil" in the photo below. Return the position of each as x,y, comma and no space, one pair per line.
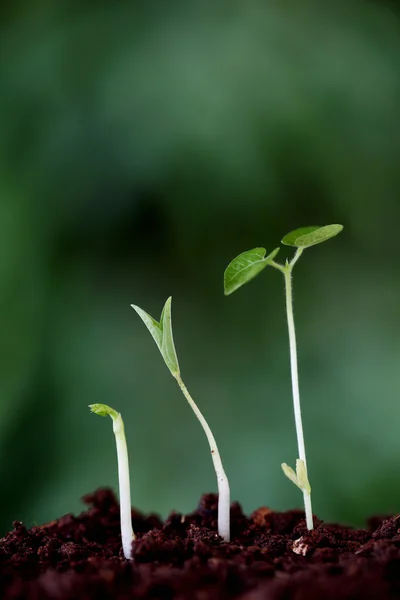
272,556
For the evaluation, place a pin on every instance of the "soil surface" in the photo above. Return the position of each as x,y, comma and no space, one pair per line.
272,556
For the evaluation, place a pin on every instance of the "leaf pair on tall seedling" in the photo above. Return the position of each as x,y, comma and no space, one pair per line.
245,267
241,270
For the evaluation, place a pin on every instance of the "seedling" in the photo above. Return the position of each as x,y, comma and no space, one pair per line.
245,267
162,335
127,534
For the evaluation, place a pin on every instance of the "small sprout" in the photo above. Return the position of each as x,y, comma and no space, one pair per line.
127,534
241,270
162,335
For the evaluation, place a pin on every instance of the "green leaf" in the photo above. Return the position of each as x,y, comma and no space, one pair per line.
167,344
162,334
103,410
151,324
246,266
310,236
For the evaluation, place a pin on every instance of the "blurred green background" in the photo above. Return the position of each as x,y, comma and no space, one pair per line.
143,146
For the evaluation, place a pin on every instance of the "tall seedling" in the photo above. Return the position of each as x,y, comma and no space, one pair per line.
245,267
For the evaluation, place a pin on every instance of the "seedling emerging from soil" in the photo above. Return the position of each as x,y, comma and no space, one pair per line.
127,534
245,267
162,335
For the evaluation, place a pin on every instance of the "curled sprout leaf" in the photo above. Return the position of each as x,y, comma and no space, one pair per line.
299,478
245,267
103,410
310,236
162,335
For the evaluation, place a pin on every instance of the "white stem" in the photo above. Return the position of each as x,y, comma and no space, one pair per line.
124,487
295,380
308,510
224,495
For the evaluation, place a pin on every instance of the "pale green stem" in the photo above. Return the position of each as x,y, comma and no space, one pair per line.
224,502
296,257
124,487
295,378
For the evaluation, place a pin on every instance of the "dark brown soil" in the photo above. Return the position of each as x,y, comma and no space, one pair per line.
271,557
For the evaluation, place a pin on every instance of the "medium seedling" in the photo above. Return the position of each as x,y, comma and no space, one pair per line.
127,534
245,267
162,335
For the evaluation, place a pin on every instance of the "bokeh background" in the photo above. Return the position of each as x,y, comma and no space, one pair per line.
143,146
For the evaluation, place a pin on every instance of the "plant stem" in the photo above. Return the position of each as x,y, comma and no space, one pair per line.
224,502
124,487
295,378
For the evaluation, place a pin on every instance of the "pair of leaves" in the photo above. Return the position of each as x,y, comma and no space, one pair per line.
162,335
247,265
299,478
